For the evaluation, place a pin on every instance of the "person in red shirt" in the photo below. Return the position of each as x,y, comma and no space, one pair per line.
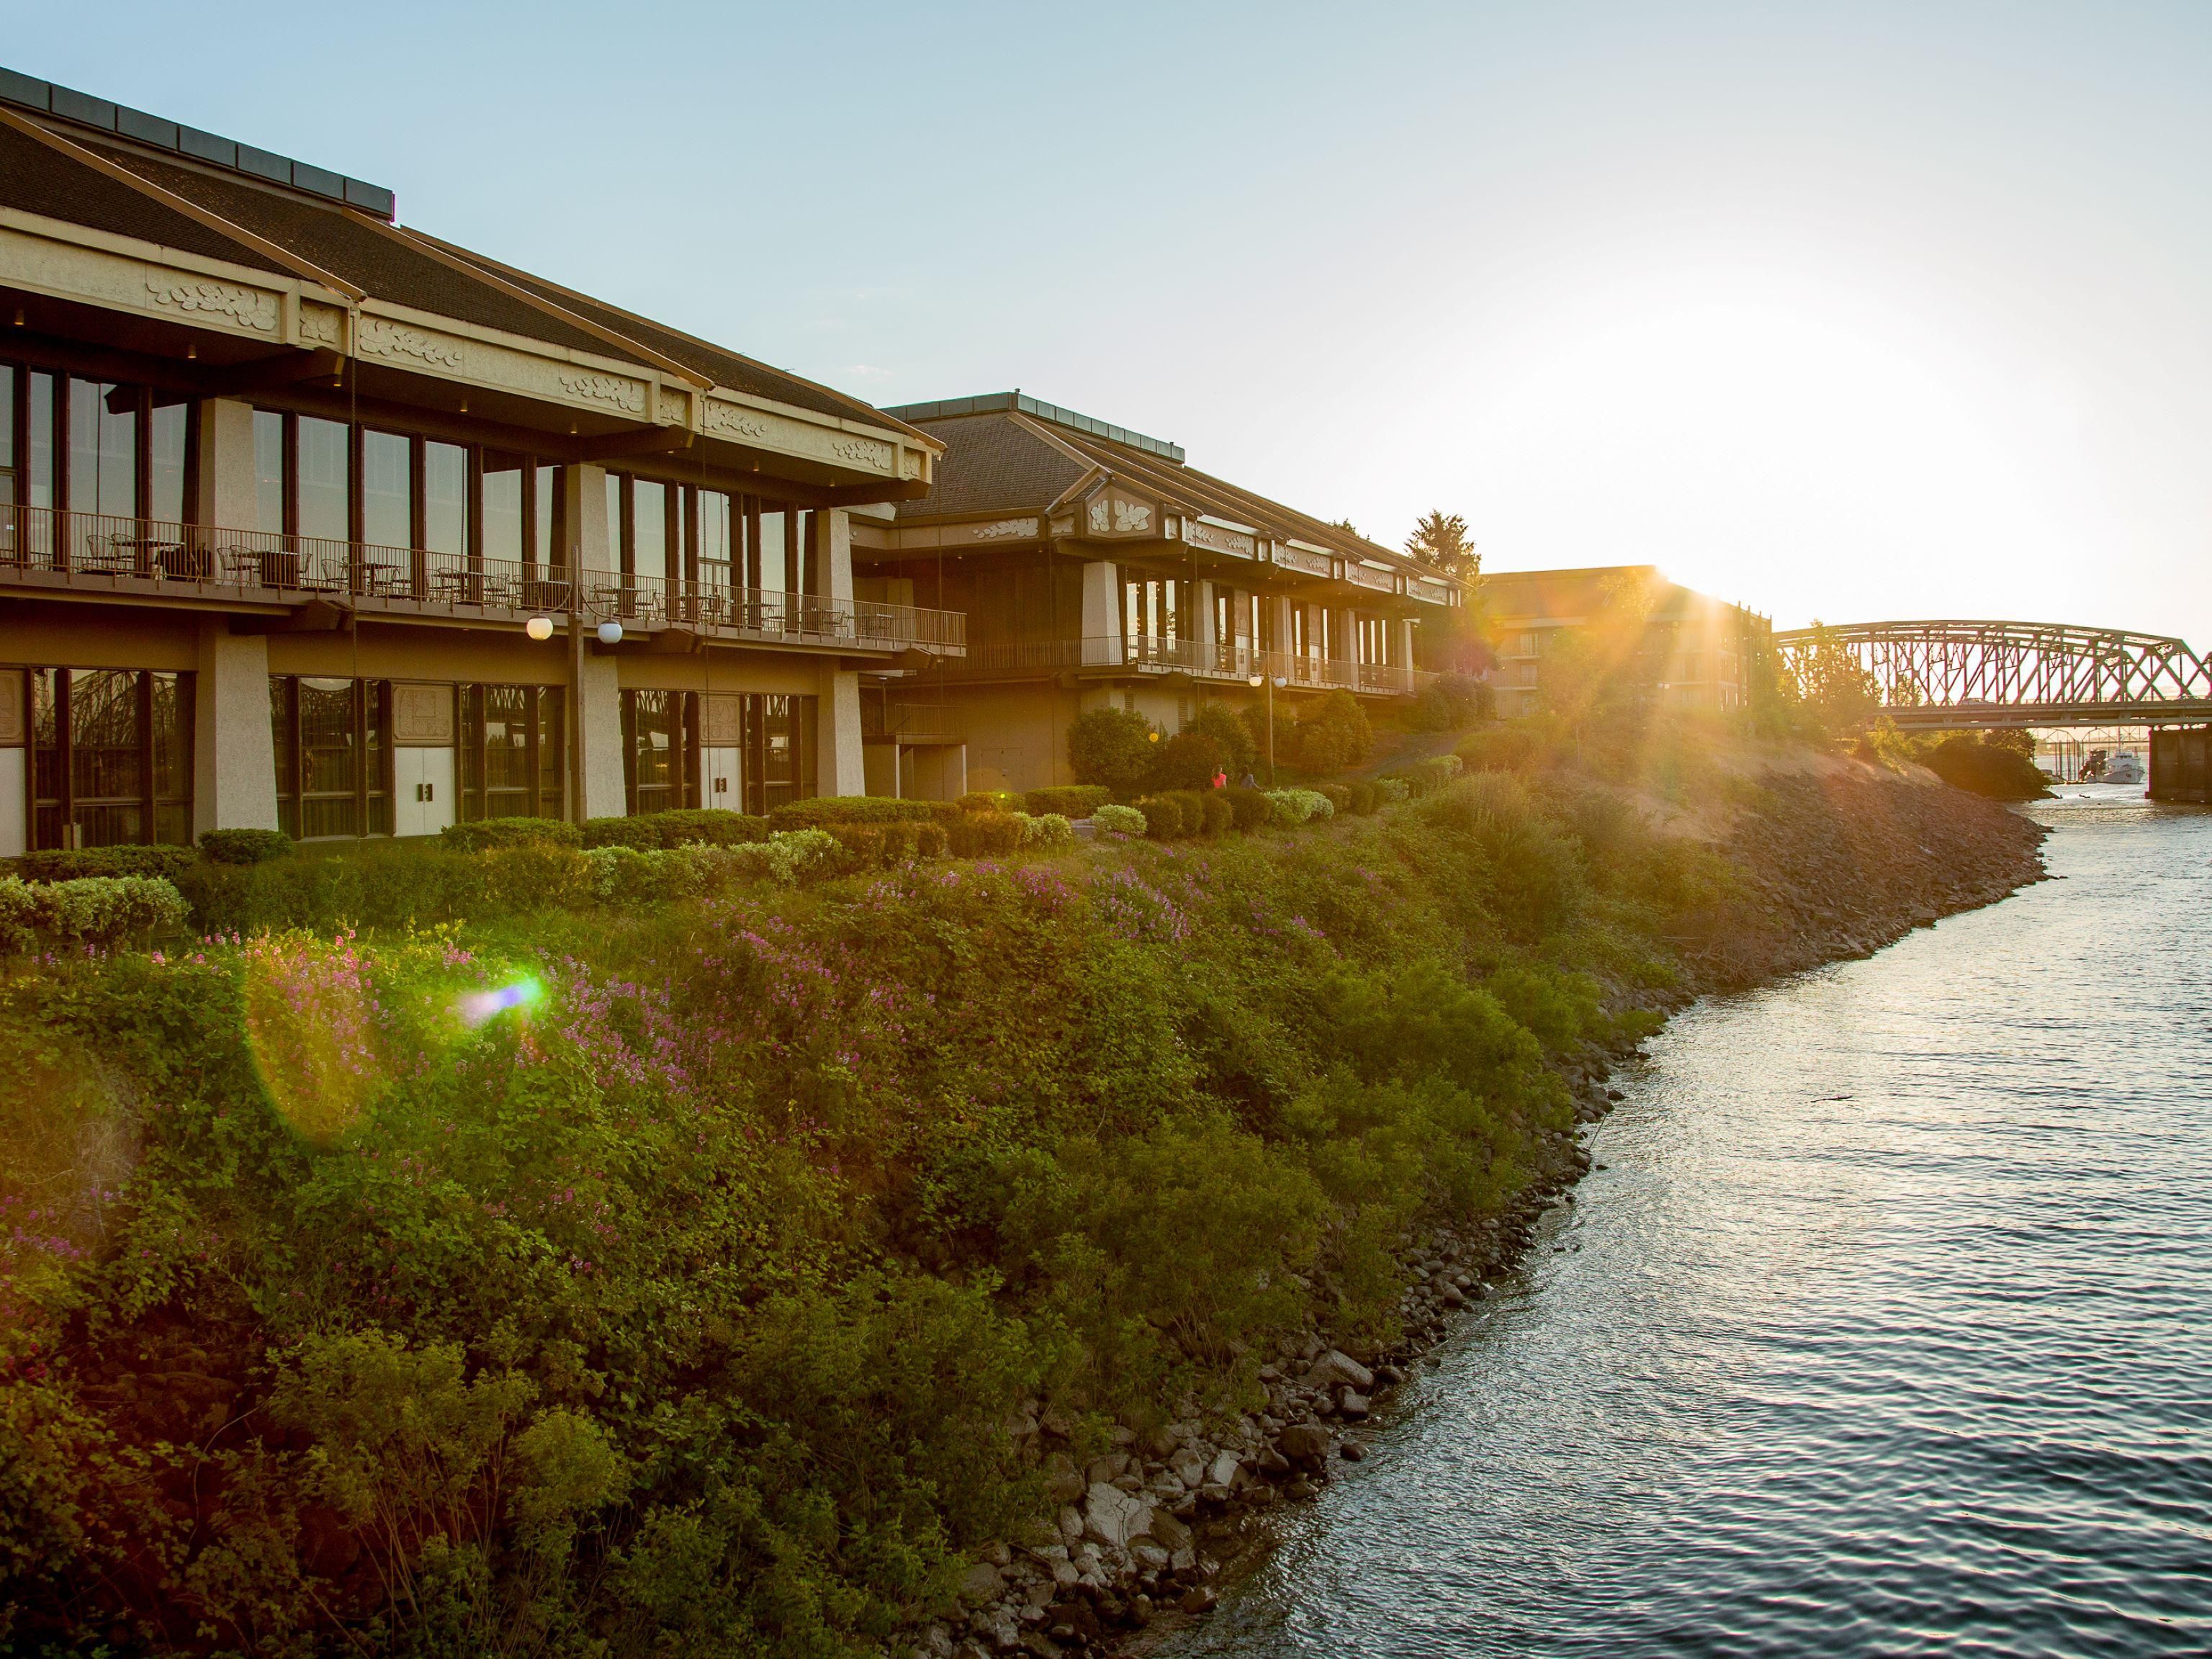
1220,778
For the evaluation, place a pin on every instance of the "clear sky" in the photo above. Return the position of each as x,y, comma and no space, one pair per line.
1846,311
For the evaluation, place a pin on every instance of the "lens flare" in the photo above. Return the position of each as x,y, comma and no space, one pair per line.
480,1006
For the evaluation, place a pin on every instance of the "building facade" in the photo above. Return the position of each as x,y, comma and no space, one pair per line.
1678,647
1095,566
311,520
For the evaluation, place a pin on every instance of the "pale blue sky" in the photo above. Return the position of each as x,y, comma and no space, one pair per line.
1841,310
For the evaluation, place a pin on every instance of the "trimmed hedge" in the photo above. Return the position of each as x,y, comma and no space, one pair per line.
986,835
1070,801
1425,777
1362,799
488,833
55,864
824,811
87,910
1162,815
1216,817
709,826
1192,804
244,846
1340,797
1248,808
1119,820
991,800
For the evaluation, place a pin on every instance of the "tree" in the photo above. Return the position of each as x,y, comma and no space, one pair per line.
1188,760
1111,747
1332,737
1346,526
1827,680
1240,751
1440,541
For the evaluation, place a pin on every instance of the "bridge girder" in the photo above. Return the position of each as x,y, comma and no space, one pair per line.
1955,673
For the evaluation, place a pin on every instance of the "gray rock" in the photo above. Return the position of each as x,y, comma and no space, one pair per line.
1305,1444
1071,1522
1170,1532
1351,1404
981,1584
1063,1481
1224,1470
1337,1366
1112,1517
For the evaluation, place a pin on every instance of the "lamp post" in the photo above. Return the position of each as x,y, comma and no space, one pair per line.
1256,682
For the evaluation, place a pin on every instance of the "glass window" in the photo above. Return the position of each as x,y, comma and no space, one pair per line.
547,486
387,489
39,444
111,758
511,758
774,570
654,756
445,498
172,759
714,538
614,522
325,500
7,435
103,452
779,750
503,508
269,472
649,513
170,424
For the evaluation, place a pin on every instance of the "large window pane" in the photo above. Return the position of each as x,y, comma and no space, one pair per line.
167,443
387,490
268,472
325,499
503,508
7,435
650,514
446,499
107,757
774,571
546,485
655,756
330,759
714,538
614,522
39,444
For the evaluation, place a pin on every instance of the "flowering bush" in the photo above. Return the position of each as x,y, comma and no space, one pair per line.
1291,807
1119,820
1046,830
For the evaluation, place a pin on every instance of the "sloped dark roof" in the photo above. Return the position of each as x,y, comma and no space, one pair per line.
1001,462
360,249
36,179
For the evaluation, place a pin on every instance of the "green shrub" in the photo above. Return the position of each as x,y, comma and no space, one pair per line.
85,910
1111,747
57,864
244,846
1188,760
1339,795
636,831
883,845
1046,830
1162,815
1240,752
1360,798
991,800
709,826
1332,736
1390,791
824,811
1451,702
1248,808
487,833
1502,748
1216,817
1985,768
1191,804
1291,807
1120,820
1425,777
1070,800
627,877
984,835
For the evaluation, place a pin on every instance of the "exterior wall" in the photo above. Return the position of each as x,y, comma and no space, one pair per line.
840,766
934,771
229,495
15,805
1102,619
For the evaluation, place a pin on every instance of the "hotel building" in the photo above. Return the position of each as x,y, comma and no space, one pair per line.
1095,566
313,520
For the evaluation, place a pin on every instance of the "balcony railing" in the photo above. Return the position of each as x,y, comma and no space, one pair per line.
1224,663
44,547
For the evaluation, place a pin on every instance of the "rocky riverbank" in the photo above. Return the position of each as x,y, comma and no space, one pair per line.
1831,859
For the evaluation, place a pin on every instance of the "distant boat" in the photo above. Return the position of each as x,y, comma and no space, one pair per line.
2123,768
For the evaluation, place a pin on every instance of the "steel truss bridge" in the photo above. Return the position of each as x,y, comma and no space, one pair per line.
1951,674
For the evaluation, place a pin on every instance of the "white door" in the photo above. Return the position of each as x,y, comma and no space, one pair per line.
425,780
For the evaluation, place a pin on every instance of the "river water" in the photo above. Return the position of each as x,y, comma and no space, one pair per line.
1885,1327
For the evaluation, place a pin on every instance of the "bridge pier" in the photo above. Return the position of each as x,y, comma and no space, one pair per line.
2181,764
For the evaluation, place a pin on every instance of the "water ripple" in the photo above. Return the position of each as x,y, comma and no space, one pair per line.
1887,1328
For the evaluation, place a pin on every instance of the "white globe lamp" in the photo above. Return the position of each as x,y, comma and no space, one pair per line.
610,633
540,627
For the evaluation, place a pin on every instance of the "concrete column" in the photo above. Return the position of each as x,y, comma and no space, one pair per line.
601,793
228,498
1205,631
837,556
233,745
841,766
1102,612
595,758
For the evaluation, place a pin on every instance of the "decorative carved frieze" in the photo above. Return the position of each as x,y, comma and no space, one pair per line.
248,307
910,462
721,721
734,421
423,716
674,410
1007,530
1113,514
381,339
1219,539
323,325
610,389
861,451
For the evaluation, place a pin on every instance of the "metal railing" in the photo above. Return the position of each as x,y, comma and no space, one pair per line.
49,547
1227,663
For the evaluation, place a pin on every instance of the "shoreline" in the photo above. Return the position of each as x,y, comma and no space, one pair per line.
1836,864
